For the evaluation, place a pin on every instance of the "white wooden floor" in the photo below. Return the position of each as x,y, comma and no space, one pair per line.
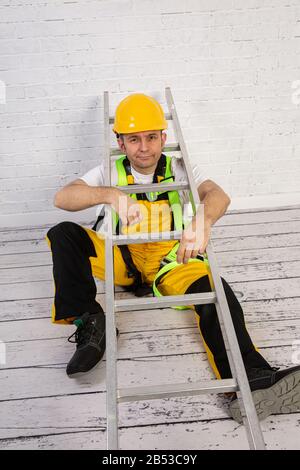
41,408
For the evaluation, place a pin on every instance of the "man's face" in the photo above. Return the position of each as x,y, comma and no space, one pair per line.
143,149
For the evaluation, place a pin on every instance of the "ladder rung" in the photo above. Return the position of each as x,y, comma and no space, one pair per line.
168,148
144,237
176,390
168,117
145,188
146,303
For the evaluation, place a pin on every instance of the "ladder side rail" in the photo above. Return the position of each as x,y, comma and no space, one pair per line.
111,339
183,149
252,425
253,428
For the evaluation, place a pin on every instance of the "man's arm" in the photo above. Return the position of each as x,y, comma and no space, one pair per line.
215,201
196,236
78,195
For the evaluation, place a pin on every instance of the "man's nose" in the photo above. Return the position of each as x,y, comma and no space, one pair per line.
143,145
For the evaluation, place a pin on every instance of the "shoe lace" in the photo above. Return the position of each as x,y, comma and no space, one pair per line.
85,330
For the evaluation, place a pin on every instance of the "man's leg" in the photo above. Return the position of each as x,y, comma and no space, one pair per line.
78,255
210,329
75,288
274,391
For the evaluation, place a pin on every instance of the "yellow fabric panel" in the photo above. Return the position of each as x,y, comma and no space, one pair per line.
130,179
157,217
178,280
210,356
98,263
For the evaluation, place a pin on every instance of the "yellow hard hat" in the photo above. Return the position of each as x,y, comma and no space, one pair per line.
138,113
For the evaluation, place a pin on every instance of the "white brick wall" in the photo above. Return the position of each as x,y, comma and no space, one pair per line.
234,69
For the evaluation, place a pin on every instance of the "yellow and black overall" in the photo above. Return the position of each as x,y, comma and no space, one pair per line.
79,254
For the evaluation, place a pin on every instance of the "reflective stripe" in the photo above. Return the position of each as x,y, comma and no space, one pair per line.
171,263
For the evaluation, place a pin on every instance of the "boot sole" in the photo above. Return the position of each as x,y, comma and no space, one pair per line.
81,374
282,397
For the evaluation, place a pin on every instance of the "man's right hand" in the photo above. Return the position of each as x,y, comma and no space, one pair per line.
128,209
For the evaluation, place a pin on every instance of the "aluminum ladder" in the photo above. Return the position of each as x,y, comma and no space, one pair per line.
239,382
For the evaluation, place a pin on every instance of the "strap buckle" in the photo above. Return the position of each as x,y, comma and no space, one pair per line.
152,196
172,255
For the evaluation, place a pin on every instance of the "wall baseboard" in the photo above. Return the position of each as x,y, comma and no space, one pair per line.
271,201
88,216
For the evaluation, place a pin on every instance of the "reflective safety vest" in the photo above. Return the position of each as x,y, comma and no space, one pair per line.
163,173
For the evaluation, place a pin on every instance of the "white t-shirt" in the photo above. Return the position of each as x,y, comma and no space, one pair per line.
95,177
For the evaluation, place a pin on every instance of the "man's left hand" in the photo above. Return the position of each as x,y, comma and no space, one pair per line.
194,240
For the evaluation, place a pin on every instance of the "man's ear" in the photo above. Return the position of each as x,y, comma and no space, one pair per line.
163,138
121,144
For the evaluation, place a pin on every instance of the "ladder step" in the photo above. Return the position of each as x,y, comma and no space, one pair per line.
146,188
168,117
168,148
144,237
147,303
176,390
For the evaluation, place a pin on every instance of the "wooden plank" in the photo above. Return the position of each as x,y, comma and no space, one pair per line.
219,244
248,290
219,230
253,257
257,217
280,432
269,289
38,416
229,219
27,246
36,232
271,228
238,257
56,415
256,242
36,290
53,380
256,310
26,259
127,322
21,234
236,273
56,350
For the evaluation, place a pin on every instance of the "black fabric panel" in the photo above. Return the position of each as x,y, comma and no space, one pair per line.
75,288
211,330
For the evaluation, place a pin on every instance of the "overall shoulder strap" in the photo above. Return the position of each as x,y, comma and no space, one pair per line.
121,170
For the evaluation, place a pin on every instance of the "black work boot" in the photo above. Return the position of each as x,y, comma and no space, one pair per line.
274,392
90,340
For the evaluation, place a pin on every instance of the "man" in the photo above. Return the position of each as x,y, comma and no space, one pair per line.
78,255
